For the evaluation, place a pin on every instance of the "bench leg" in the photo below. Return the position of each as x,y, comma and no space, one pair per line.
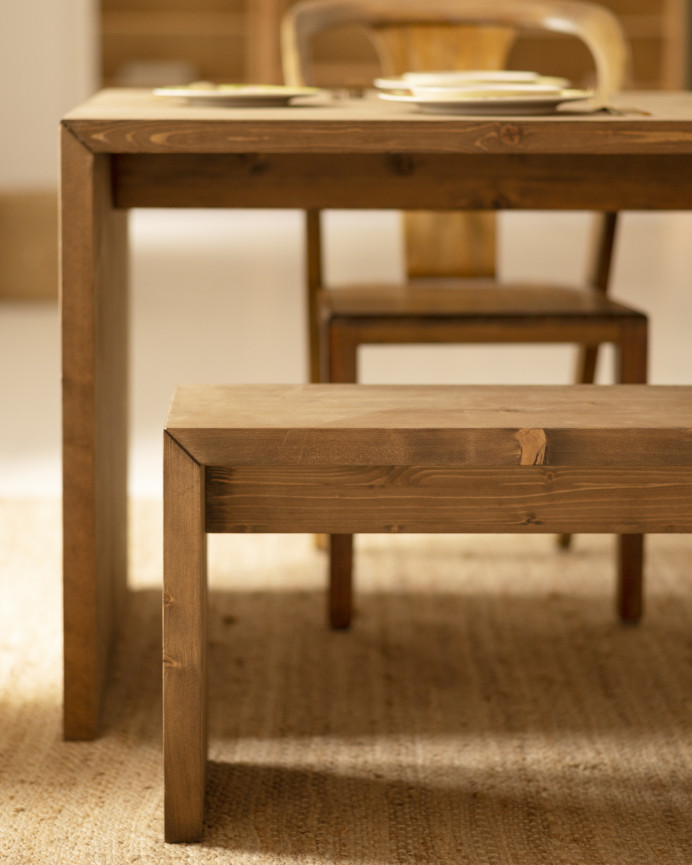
184,645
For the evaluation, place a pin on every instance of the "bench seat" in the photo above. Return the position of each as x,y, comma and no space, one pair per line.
345,459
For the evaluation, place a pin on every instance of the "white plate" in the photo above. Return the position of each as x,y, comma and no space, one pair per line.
488,102
240,95
499,91
443,76
471,78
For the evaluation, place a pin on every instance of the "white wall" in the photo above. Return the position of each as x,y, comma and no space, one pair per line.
48,64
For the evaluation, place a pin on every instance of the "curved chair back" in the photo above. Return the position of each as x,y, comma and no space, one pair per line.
453,34
597,27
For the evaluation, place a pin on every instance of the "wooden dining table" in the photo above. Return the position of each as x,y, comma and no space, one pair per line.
127,148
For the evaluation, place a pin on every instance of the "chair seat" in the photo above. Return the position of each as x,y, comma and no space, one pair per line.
433,299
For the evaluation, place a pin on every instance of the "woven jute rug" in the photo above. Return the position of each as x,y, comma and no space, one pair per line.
486,707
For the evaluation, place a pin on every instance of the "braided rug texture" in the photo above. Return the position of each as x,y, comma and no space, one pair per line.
485,709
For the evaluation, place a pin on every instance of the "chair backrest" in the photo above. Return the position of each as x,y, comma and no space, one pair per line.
597,27
424,35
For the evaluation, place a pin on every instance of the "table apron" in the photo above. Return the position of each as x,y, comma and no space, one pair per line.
427,181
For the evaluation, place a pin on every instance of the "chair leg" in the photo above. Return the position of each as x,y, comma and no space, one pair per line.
340,580
630,577
633,355
586,373
586,364
564,541
313,267
184,645
341,366
633,363
632,369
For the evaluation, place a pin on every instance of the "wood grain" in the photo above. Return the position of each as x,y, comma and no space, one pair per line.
483,181
474,298
184,645
376,425
475,326
508,471
94,322
526,498
132,121
216,157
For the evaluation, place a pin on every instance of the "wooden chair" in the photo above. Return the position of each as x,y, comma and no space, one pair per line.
451,295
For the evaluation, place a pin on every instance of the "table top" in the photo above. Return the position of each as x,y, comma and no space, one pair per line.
135,121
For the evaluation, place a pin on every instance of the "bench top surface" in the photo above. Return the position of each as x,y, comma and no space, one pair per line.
334,406
433,425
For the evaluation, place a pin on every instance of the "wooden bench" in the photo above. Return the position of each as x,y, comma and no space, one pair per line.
344,459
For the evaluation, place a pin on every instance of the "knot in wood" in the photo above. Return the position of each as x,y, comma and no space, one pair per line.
532,520
255,163
501,202
532,446
511,134
401,164
168,661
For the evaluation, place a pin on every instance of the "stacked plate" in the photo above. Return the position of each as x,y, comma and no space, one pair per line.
481,92
240,95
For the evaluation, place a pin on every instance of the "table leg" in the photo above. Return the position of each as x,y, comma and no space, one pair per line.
94,308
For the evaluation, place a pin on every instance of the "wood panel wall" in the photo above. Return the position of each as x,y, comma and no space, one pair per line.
172,41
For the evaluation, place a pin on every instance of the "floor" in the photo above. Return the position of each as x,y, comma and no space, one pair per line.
237,278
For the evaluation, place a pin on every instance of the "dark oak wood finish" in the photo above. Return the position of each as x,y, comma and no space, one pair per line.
133,121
